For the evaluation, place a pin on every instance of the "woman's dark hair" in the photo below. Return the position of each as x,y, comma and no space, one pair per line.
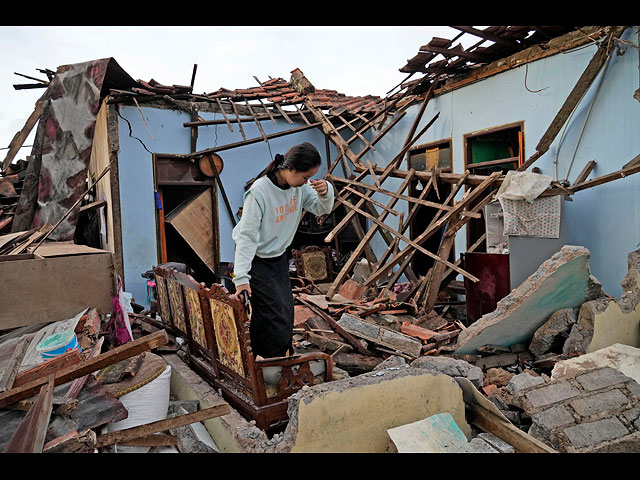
301,157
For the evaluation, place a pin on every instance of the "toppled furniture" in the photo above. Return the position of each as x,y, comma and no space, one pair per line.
314,263
216,327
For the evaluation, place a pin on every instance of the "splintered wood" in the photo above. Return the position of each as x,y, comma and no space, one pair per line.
450,217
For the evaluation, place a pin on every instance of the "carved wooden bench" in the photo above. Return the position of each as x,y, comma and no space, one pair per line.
216,328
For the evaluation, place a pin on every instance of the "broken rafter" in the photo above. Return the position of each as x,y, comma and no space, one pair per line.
88,366
378,137
405,262
354,257
434,227
383,176
161,425
389,193
235,110
251,140
585,172
410,242
257,122
489,36
20,137
226,119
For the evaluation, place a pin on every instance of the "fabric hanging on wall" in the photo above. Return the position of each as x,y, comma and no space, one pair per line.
68,124
540,218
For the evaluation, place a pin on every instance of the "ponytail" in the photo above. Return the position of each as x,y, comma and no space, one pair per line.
301,157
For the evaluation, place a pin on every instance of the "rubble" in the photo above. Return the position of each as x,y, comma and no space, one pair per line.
552,368
563,281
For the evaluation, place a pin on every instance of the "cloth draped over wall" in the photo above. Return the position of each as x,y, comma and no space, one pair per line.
63,144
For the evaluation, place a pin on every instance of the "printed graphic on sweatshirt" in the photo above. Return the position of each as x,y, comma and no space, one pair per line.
283,210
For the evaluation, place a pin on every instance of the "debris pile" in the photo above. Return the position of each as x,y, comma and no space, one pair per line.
84,399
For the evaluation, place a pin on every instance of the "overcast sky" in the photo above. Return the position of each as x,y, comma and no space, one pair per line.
354,60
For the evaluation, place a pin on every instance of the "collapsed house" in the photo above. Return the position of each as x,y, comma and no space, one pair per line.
451,238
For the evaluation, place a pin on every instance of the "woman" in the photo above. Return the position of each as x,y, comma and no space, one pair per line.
271,213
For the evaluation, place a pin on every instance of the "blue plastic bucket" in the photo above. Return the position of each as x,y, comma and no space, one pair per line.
57,344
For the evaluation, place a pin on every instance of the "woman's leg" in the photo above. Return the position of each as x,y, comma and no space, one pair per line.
271,325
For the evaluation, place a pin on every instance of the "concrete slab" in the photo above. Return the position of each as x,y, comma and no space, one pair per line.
612,325
605,322
624,358
231,433
381,335
354,414
563,281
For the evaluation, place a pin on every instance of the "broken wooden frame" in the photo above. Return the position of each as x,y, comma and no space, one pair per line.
216,328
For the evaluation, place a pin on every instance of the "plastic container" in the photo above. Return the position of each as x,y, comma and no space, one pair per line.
57,344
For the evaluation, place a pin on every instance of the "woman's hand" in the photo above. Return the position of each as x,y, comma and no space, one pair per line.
320,186
241,288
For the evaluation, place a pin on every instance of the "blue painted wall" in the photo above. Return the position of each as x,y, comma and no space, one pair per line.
162,132
605,219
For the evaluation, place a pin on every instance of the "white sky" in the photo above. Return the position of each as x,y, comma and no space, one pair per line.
354,60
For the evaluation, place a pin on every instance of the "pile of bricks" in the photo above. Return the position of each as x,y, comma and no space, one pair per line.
594,411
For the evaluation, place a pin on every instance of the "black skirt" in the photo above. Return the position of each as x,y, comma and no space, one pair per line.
271,326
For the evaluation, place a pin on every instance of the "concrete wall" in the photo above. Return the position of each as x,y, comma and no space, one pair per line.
162,132
605,218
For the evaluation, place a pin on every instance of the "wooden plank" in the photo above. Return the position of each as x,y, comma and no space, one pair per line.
521,441
379,137
434,227
251,140
411,242
283,113
161,425
410,199
153,440
34,237
585,172
354,342
436,273
606,178
273,119
193,221
355,256
30,434
235,110
11,368
22,135
49,367
226,119
383,176
146,343
257,122
370,200
72,442
78,383
357,134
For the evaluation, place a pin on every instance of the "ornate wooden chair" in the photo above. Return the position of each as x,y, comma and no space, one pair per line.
179,306
216,327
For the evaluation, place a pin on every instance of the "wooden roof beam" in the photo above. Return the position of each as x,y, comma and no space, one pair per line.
489,36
